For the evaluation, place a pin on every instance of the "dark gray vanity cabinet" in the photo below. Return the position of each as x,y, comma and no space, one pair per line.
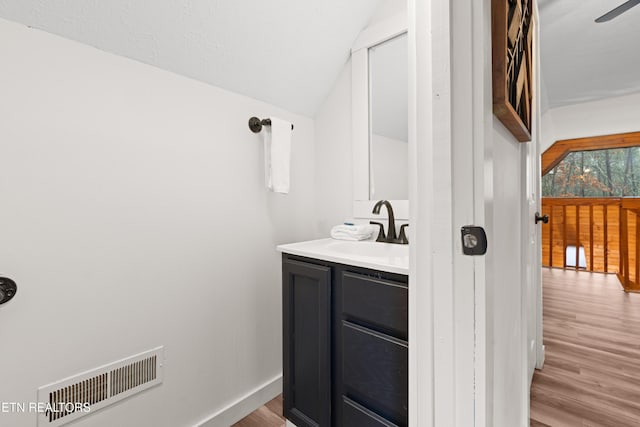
345,345
306,322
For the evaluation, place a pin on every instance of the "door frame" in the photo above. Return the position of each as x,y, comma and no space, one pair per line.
447,306
450,185
536,170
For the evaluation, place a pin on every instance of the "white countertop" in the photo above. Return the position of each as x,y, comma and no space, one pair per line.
388,257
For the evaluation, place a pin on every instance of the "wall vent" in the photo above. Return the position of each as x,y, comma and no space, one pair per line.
74,397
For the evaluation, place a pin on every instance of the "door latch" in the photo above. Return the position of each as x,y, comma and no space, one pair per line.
543,218
8,289
474,240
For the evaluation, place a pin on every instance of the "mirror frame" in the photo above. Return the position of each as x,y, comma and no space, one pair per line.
361,114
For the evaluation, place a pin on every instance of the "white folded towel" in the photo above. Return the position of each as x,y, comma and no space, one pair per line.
277,155
352,232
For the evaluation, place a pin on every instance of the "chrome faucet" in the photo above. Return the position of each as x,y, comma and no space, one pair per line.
390,237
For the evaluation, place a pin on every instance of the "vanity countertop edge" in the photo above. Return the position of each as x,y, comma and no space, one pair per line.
390,258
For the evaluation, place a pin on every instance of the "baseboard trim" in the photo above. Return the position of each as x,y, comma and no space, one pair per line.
242,407
540,362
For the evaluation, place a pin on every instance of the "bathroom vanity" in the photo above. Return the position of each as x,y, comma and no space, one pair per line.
345,333
345,304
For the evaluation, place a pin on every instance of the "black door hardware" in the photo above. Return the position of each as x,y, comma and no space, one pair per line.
8,289
543,218
474,240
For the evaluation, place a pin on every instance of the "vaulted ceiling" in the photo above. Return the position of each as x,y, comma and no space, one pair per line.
289,52
285,52
582,60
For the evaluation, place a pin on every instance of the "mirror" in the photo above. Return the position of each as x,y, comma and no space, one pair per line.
389,127
379,99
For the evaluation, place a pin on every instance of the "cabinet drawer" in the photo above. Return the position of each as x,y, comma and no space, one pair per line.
357,415
375,372
377,303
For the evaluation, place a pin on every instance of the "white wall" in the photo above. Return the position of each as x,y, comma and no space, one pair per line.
603,117
134,215
386,9
333,158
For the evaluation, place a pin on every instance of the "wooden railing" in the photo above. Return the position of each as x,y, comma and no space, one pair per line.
606,229
630,243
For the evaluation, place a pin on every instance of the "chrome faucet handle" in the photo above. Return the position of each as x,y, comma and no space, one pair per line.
381,236
403,236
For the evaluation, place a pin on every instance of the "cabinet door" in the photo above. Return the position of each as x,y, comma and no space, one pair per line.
307,343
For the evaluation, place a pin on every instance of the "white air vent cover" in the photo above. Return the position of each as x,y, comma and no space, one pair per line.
80,395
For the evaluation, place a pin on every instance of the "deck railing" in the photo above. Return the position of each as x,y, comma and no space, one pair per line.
603,231
629,273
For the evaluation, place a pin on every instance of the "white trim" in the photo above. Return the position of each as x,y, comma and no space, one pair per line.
443,176
483,187
381,32
361,112
530,240
421,334
242,407
467,149
526,273
541,356
538,172
360,123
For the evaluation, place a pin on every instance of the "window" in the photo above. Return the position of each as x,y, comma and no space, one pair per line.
601,173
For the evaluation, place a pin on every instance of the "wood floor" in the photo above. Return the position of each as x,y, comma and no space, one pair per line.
270,415
591,375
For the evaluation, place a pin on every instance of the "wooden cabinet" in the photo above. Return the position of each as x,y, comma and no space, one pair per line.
345,345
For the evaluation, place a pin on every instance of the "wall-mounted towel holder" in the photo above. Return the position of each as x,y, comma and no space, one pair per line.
255,124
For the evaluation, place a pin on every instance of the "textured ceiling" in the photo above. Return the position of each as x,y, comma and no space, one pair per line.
285,52
582,60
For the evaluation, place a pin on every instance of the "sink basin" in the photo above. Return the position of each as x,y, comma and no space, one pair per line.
378,256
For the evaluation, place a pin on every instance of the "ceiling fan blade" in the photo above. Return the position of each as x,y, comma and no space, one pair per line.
618,11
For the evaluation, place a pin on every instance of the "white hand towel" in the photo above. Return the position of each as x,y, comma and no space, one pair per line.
352,232
277,155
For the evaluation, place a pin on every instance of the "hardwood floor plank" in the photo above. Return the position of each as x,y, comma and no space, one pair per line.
591,375
269,415
275,405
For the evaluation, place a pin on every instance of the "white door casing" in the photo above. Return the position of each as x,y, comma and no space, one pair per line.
447,355
532,244
455,174
536,178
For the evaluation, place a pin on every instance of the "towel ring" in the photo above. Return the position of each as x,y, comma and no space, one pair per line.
255,124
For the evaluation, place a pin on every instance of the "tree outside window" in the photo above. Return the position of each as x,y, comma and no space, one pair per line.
600,173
